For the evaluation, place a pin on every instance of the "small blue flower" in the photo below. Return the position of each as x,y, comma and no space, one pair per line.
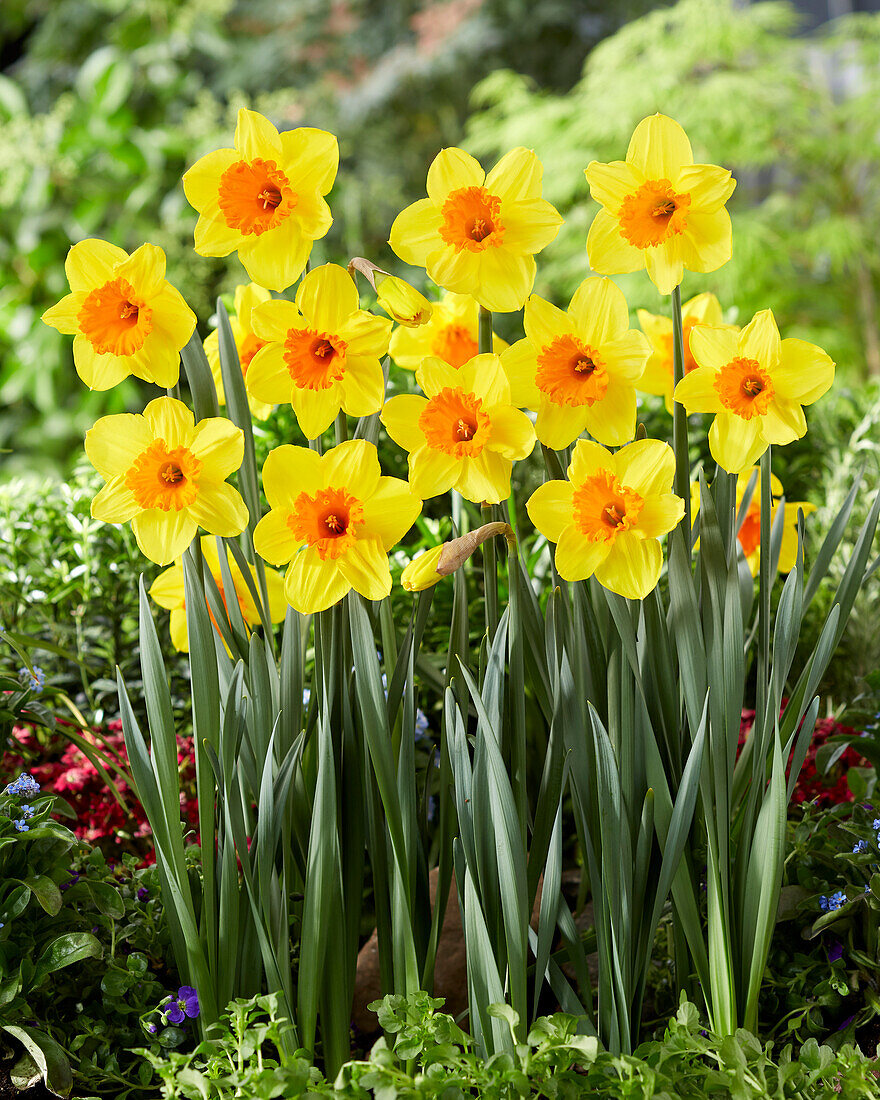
875,824
25,786
27,811
860,846
36,681
21,825
832,903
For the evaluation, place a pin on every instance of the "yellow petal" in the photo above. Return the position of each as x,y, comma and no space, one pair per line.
760,340
276,259
177,628
713,346
313,585
586,459
611,183
201,182
516,177
485,478
735,443
646,466
576,558
450,170
559,425
365,567
784,422
804,372
219,509
610,253
91,263
696,391
612,421
363,387
454,270
114,442
550,508
247,298
145,270
99,372
64,315
544,322
170,420
415,232
520,365
172,316
213,237
600,311
632,569
315,409
353,465
273,537
114,502
484,376
312,217
366,334
659,514
271,320
275,591
708,186
268,378
167,589
158,361
513,434
163,536
431,472
434,375
626,356
659,148
219,445
664,266
705,243
506,280
390,511
255,136
401,419
530,226
287,472
326,297
310,158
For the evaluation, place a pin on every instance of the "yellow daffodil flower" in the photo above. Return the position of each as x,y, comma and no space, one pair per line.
704,309
749,534
247,298
168,591
608,517
465,434
264,198
756,384
421,573
334,518
321,354
478,234
125,317
402,302
659,210
451,334
167,475
578,370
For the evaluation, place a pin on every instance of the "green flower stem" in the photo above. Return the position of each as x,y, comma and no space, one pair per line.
679,417
764,585
341,428
490,565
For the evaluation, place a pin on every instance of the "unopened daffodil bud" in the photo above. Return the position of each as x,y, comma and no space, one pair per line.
440,561
402,302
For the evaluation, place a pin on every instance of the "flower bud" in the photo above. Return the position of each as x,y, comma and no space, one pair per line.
440,561
422,572
402,302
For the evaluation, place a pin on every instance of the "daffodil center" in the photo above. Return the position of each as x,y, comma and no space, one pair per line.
472,220
653,213
164,478
744,387
455,344
327,520
115,319
255,196
454,422
315,360
570,372
602,508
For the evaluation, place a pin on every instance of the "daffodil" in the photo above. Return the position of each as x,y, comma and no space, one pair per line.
704,309
756,384
478,234
578,370
246,342
264,198
465,434
167,475
334,518
749,533
659,210
451,334
608,517
433,565
125,317
402,302
321,354
168,592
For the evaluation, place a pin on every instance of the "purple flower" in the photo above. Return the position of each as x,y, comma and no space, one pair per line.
846,1022
152,1029
835,951
143,893
187,1004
